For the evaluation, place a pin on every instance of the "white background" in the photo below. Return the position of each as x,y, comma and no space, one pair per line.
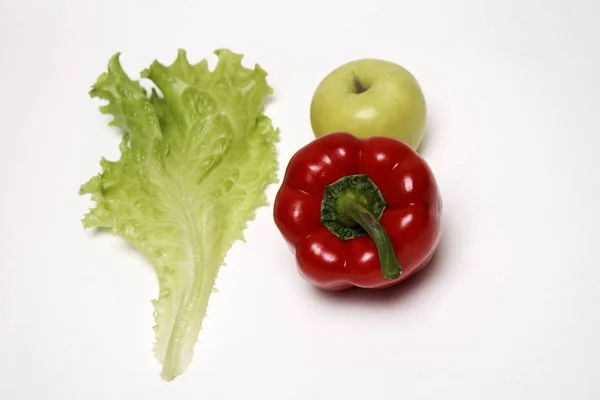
508,310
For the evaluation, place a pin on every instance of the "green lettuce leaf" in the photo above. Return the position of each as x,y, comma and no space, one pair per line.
194,164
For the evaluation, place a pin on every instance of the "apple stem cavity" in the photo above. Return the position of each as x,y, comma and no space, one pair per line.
359,87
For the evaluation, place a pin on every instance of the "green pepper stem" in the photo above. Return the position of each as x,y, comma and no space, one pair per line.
390,267
352,207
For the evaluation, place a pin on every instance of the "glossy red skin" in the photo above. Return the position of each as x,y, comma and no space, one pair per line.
412,217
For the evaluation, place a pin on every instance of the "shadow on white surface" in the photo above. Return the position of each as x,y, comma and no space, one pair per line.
426,141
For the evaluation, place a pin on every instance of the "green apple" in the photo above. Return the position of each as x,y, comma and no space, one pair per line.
370,97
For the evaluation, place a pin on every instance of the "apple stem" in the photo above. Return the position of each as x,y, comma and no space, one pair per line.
360,88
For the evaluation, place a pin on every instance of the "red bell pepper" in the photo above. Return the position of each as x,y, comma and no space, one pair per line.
358,212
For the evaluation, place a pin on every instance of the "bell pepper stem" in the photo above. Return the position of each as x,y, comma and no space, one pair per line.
390,267
352,207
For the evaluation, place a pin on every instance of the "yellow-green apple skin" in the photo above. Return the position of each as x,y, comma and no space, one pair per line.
370,97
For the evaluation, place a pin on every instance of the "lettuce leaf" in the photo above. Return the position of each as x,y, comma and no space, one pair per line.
194,164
